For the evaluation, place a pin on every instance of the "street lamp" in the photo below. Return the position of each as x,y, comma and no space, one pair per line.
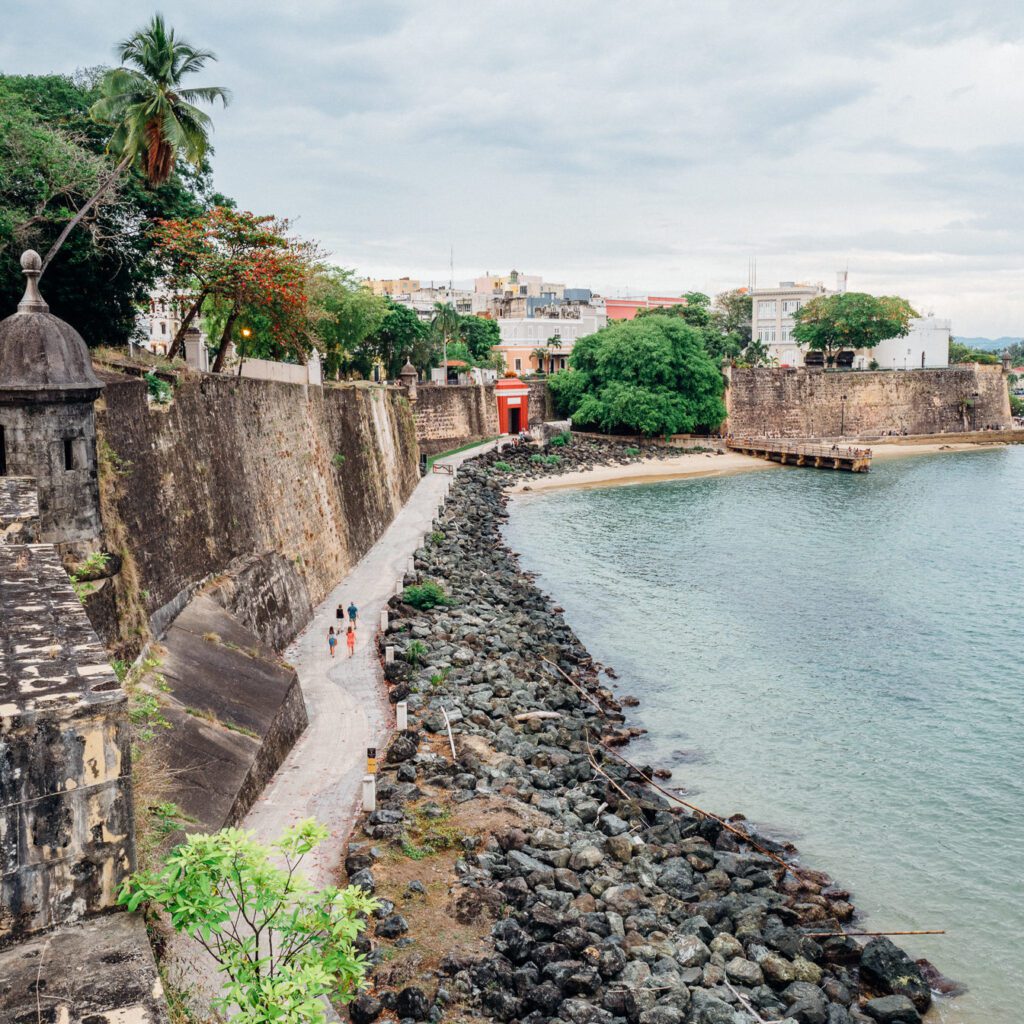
842,417
246,334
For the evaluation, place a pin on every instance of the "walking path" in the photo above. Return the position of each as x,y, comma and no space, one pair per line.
348,711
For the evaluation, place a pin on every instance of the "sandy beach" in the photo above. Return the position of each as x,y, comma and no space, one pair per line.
698,464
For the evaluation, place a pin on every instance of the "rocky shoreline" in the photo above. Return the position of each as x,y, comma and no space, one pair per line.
527,872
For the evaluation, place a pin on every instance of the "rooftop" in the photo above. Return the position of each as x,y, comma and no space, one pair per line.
50,656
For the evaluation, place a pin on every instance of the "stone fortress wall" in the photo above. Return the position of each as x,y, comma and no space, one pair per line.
447,417
296,482
815,403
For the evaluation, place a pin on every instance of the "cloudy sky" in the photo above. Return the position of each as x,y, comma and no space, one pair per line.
631,147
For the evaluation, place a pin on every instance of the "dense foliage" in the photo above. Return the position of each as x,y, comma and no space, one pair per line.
51,161
960,353
851,320
281,944
650,376
724,324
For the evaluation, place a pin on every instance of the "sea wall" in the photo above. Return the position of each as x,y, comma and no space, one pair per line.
447,417
234,468
791,402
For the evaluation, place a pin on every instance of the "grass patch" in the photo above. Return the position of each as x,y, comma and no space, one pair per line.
455,451
425,596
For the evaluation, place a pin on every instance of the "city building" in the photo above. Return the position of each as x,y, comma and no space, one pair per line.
523,337
392,286
627,308
161,322
422,301
506,295
773,317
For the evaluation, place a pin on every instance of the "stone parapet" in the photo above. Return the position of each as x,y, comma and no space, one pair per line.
66,828
19,510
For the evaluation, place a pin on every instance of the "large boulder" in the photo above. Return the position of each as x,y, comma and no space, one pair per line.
886,969
892,1010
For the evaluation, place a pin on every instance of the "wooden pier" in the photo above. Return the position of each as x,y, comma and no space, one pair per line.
798,453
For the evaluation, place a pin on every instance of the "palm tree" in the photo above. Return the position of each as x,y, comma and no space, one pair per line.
446,323
155,121
540,353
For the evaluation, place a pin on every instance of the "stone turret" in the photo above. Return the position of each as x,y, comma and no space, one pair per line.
47,423
408,376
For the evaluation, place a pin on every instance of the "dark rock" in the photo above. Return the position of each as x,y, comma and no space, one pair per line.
806,1003
364,879
510,940
364,1009
403,747
892,1010
545,997
392,927
885,968
579,1011
412,1002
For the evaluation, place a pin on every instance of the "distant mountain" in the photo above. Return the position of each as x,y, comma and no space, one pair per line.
988,344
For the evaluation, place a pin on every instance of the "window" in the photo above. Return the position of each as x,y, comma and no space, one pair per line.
163,327
786,334
766,334
790,306
519,364
766,309
69,453
3,453
561,361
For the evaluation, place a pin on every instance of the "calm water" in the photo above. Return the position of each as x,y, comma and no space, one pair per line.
838,656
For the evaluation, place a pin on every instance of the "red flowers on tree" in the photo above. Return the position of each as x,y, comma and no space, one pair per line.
246,265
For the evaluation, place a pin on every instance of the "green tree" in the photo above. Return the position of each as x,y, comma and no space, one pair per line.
447,328
851,320
698,312
651,376
757,354
480,335
961,353
154,119
731,314
347,315
51,161
281,944
402,335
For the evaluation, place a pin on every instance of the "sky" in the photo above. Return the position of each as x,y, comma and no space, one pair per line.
644,147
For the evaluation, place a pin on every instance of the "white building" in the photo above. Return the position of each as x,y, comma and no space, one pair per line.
773,312
521,337
421,300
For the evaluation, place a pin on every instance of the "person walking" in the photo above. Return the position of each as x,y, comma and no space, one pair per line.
353,613
350,639
332,640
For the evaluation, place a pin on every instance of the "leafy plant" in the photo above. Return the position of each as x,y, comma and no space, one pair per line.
338,459
144,712
86,571
632,451
546,460
560,440
503,467
437,536
159,389
415,653
438,678
426,595
428,834
281,944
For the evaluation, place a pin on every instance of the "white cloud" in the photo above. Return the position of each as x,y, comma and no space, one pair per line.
650,146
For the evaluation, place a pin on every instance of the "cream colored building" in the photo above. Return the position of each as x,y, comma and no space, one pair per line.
772,320
393,286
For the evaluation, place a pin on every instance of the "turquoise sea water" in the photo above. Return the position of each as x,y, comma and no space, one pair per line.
839,656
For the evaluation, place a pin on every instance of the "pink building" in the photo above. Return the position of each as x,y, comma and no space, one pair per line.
627,309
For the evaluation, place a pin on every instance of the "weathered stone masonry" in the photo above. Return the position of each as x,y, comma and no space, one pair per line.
815,403
447,417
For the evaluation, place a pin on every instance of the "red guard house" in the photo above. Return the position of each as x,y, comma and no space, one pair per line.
513,405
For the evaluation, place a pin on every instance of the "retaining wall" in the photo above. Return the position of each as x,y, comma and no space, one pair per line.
815,403
450,416
234,468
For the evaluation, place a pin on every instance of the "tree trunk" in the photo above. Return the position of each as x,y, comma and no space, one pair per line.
81,215
225,339
179,338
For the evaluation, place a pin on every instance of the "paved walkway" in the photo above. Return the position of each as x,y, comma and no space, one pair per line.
348,710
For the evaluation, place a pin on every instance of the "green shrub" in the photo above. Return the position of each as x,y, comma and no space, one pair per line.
632,451
546,460
415,653
159,389
338,460
437,536
503,467
562,439
439,677
426,595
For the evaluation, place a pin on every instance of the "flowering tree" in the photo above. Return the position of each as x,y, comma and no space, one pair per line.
244,263
281,944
